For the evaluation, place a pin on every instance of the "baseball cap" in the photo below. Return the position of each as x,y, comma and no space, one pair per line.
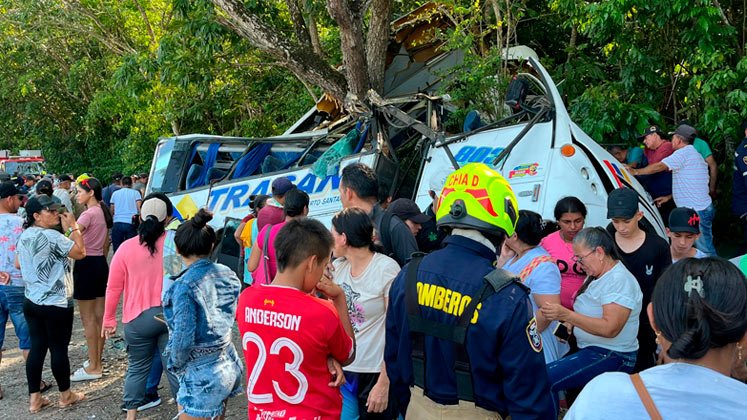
117,176
406,209
685,131
282,185
154,207
64,177
684,219
44,187
40,202
622,203
650,130
143,174
82,177
8,189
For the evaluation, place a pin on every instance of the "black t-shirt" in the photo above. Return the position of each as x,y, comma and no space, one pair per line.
647,263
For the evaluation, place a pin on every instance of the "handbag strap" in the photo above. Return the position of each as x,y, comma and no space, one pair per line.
645,397
266,254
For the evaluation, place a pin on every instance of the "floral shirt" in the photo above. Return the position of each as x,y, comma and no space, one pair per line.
45,266
11,227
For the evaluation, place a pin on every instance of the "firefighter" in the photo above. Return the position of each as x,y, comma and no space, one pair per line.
461,339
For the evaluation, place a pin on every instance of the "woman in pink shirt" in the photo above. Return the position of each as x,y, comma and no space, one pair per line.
570,213
90,274
264,270
136,275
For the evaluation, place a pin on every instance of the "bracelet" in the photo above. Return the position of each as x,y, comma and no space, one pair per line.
70,231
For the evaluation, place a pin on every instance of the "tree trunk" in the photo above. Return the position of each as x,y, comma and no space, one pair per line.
316,44
377,42
296,58
299,25
352,44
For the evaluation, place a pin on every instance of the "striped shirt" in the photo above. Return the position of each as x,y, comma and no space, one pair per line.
689,178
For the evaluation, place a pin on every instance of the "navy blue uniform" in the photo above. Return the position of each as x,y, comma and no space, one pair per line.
739,190
507,365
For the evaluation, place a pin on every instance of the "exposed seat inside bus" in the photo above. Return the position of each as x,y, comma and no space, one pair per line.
215,174
193,175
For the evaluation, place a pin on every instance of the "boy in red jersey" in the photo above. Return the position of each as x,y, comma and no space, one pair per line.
288,334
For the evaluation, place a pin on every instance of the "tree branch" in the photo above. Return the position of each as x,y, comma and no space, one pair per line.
299,60
151,34
299,25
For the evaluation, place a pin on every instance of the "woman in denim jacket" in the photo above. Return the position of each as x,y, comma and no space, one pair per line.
200,308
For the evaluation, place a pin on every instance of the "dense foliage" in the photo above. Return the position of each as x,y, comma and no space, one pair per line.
96,83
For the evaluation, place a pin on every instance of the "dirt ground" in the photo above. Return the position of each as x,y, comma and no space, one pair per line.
103,397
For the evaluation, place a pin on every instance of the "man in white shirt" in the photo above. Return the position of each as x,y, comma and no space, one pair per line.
689,183
63,191
125,205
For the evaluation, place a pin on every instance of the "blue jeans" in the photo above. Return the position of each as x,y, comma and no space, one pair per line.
11,306
580,368
122,232
705,242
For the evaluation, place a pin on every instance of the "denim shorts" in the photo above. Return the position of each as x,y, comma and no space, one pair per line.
209,380
11,305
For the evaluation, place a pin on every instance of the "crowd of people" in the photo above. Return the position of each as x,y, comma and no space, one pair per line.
497,313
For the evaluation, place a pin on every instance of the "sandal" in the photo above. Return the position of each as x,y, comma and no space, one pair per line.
76,398
82,375
44,387
44,403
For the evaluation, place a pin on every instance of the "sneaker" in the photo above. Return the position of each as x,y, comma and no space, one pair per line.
151,400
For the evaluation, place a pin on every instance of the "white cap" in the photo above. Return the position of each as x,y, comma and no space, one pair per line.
154,207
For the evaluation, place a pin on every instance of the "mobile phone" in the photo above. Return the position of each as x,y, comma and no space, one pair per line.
61,210
561,331
159,317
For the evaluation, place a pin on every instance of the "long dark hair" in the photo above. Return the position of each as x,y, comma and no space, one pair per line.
357,227
93,184
700,304
150,229
296,201
195,236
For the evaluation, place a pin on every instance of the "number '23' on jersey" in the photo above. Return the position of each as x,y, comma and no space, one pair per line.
287,336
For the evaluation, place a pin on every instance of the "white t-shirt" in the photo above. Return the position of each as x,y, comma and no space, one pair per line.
125,201
365,295
616,286
679,390
544,279
689,178
64,196
698,254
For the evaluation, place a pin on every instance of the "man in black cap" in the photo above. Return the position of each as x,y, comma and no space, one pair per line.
408,212
272,212
683,231
739,187
63,191
659,185
645,255
689,183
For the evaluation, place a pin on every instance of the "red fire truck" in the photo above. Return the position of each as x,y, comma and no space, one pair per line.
27,162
